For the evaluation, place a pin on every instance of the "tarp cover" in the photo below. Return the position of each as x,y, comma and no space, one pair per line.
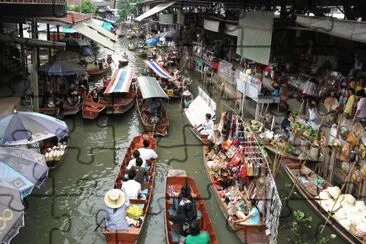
121,81
157,69
150,87
95,24
94,35
200,106
158,8
351,30
255,36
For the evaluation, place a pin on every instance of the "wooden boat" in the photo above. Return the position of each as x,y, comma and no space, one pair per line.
118,97
173,184
132,235
98,72
122,63
293,170
155,124
53,151
246,233
68,111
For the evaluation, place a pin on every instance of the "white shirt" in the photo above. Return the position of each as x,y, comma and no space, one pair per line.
312,114
132,189
132,162
147,153
208,125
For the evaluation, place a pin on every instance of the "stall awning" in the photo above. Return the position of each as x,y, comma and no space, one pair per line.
350,30
255,36
150,87
157,69
94,35
95,25
121,81
158,8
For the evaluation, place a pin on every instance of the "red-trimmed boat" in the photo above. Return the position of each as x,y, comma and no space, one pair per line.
173,185
155,122
132,235
118,97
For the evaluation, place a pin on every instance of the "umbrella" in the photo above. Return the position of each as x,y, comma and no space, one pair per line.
69,56
65,68
12,212
22,168
20,128
152,41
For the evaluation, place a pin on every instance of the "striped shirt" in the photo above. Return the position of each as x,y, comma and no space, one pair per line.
309,88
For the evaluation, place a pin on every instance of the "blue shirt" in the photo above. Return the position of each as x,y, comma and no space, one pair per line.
255,217
116,220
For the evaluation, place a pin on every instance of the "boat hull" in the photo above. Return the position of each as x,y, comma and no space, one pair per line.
176,182
132,235
98,72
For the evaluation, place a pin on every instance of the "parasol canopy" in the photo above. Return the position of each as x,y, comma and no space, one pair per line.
152,41
20,128
22,168
150,88
12,210
62,68
157,69
121,81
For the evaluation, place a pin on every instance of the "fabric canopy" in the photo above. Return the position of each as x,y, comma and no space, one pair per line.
158,8
157,69
199,107
121,81
255,36
150,87
94,24
94,35
351,30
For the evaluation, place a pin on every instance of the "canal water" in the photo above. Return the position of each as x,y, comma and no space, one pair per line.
69,208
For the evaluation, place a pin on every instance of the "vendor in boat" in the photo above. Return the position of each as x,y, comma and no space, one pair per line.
109,59
115,213
224,180
95,96
215,138
186,99
146,152
253,217
100,64
206,127
286,123
197,236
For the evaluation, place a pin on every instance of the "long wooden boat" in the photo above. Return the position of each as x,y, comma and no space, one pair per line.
98,72
68,111
54,153
149,88
118,98
251,234
174,184
293,170
202,138
132,235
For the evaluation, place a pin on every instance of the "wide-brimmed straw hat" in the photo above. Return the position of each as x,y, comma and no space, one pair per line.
187,93
114,198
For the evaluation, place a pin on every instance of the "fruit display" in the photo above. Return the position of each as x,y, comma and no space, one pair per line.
55,153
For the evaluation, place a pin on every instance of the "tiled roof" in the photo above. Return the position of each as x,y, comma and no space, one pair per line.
70,18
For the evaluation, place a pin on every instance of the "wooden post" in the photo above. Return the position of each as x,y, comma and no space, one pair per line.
58,32
22,57
35,63
48,39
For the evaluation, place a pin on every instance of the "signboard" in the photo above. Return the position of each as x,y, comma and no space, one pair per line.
166,19
210,103
211,25
248,85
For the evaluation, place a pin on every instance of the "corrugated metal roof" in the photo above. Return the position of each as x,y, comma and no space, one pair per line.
150,87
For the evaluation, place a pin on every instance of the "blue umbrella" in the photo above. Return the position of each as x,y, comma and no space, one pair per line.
12,209
22,168
152,41
20,128
65,68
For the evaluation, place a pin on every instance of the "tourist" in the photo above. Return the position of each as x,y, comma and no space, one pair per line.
360,114
309,92
154,107
197,236
131,188
184,219
115,213
348,109
140,171
206,127
146,152
132,162
185,194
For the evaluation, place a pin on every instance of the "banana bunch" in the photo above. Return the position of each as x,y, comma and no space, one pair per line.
256,126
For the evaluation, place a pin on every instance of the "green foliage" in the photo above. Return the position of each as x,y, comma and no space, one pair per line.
125,8
87,7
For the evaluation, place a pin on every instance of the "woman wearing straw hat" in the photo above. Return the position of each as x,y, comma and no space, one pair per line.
186,99
115,213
